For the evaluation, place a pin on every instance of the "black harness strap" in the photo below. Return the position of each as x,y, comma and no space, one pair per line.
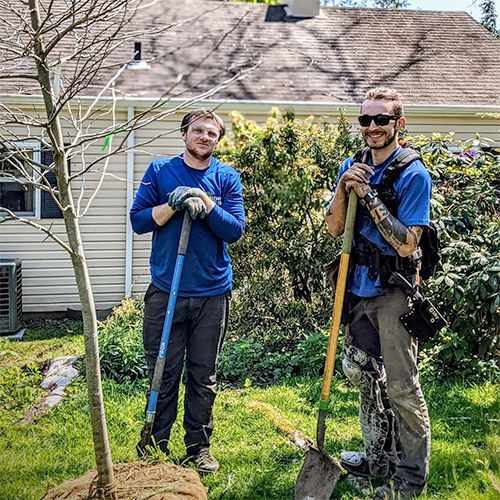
367,253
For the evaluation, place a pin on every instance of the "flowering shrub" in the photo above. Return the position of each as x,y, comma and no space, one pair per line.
466,207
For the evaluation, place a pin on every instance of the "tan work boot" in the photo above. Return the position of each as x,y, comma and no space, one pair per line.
204,462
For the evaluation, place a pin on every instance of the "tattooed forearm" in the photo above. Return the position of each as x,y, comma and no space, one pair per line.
416,233
393,231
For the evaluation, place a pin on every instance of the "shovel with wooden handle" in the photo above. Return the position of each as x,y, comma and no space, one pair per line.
319,473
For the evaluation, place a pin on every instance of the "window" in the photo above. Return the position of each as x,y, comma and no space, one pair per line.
15,165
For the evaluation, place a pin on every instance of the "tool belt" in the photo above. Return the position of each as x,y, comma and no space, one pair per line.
383,265
422,320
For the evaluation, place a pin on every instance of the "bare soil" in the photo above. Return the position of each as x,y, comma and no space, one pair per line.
137,481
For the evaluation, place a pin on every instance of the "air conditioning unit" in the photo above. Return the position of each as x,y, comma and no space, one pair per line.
11,305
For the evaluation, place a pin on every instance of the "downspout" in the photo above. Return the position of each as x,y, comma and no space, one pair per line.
129,235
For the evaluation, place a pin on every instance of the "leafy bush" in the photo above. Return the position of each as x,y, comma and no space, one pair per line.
19,388
466,286
288,168
281,302
247,358
120,342
281,308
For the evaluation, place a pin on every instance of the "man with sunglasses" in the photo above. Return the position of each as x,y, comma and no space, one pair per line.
380,355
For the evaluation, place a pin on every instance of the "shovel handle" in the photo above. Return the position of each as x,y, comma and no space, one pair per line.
167,326
338,301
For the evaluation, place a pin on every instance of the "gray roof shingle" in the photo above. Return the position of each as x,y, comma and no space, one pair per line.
432,57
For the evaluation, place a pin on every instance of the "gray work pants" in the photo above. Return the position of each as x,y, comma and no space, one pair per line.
374,327
196,337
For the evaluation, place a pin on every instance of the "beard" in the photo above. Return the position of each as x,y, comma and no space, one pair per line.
201,156
388,140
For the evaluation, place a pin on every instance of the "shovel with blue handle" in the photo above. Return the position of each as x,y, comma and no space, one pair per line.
167,326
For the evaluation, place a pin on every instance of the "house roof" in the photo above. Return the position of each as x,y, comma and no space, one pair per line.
431,57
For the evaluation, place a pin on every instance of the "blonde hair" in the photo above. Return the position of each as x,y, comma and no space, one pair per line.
387,94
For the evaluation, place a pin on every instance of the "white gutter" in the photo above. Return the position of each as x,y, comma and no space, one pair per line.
129,236
311,107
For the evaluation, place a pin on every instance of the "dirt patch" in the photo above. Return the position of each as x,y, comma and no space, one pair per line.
137,481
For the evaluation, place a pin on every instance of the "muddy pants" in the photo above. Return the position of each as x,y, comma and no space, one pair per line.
195,339
381,360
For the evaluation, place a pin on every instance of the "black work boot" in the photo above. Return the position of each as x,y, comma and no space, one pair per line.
356,463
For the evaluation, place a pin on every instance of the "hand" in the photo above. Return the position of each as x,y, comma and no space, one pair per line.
357,178
195,206
181,193
175,195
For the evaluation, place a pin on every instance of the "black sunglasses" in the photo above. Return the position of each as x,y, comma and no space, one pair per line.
380,120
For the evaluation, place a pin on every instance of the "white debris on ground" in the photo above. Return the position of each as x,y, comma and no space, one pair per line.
59,375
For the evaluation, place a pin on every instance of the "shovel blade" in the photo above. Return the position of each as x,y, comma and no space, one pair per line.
318,476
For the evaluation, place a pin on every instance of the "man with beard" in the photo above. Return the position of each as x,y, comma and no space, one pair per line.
211,192
380,355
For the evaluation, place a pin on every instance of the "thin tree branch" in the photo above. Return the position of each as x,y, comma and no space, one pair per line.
12,216
18,76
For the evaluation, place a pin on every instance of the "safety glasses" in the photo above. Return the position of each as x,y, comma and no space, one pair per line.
380,120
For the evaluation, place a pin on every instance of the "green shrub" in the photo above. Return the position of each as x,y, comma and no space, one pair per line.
282,305
19,388
288,168
247,358
466,286
120,342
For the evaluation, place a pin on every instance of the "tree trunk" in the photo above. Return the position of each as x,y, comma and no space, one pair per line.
106,479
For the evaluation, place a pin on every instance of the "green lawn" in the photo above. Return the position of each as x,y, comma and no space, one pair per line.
257,461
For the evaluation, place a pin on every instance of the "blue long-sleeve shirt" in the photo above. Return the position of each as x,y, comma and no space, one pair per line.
207,266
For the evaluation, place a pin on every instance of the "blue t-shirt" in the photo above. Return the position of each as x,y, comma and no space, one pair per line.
413,190
207,266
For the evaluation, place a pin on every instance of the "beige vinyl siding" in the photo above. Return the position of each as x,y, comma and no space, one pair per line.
169,144
48,278
463,128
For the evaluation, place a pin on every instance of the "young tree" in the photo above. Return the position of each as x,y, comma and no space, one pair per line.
391,4
61,50
488,15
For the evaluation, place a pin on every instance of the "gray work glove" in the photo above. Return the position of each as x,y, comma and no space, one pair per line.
174,196
180,194
195,206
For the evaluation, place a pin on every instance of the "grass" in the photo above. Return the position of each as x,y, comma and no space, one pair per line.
257,461
44,339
